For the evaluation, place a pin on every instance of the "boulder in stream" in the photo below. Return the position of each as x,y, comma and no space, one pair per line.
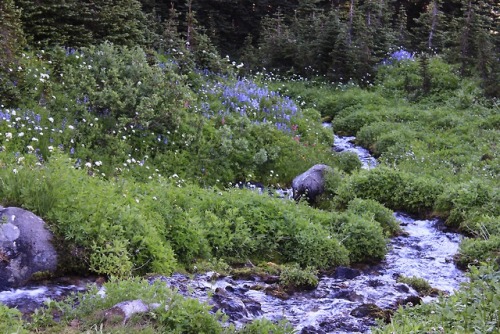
311,183
25,247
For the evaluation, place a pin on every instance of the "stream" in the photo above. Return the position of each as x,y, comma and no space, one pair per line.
337,305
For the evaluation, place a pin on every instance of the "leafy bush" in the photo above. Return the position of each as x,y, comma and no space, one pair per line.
169,311
313,246
260,326
87,212
352,120
347,161
395,189
466,197
473,251
292,277
419,284
11,321
354,98
474,308
365,240
404,79
377,212
381,184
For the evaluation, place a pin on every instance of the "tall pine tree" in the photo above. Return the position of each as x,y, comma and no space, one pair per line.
11,43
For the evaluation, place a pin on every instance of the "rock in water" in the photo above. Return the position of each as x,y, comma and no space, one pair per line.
25,247
311,183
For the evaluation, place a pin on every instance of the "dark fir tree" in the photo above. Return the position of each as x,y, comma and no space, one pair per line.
118,21
55,22
11,43
11,33
429,32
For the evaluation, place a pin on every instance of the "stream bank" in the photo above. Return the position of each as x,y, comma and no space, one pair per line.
341,303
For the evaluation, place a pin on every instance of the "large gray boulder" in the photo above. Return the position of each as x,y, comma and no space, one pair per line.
25,247
311,183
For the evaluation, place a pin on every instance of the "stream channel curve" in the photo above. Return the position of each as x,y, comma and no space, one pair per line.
426,250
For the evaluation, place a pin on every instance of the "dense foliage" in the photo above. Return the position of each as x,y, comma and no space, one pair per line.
343,40
124,129
473,309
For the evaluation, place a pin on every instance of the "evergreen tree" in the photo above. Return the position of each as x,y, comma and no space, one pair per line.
277,47
55,22
476,43
11,43
429,35
11,33
121,22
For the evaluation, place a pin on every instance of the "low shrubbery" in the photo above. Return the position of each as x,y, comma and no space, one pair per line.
395,189
472,309
122,227
365,239
419,284
292,277
11,321
377,212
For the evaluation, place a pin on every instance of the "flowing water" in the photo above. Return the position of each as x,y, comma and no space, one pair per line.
338,304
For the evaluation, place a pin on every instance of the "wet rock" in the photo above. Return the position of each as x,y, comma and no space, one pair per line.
349,295
369,311
271,279
276,291
234,308
311,183
343,325
402,288
375,283
122,312
253,306
26,248
346,273
409,301
312,330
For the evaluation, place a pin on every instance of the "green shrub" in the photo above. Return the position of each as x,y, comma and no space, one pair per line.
404,79
364,239
313,246
354,98
377,212
381,184
347,161
264,326
395,189
473,251
419,284
11,321
292,277
352,120
368,134
459,199
173,313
